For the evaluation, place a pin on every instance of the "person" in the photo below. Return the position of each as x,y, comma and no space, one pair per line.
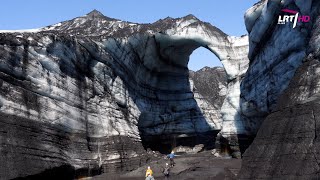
166,171
171,156
149,174
149,177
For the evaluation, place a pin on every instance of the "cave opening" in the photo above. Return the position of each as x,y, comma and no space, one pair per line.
208,85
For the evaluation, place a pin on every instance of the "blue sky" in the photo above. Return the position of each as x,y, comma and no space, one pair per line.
224,14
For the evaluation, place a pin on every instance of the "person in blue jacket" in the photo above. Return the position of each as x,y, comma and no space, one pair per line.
171,156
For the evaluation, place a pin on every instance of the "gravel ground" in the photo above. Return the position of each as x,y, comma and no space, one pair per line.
202,166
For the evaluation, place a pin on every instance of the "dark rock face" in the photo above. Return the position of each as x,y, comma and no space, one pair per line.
93,93
287,143
211,83
31,147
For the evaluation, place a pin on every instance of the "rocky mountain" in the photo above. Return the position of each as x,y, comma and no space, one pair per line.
211,83
280,92
95,94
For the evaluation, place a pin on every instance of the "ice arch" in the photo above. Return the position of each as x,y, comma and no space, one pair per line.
101,86
231,51
158,63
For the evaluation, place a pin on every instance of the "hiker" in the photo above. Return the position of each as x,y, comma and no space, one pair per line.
166,171
171,156
149,174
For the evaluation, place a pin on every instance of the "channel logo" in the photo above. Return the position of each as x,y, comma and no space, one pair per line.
293,18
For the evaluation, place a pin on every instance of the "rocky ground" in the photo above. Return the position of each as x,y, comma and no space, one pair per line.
193,166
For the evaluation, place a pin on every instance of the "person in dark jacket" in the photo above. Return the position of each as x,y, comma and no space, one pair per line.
166,171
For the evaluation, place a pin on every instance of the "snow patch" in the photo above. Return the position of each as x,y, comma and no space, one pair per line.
22,31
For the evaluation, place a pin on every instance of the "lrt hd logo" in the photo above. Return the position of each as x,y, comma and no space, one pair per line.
292,18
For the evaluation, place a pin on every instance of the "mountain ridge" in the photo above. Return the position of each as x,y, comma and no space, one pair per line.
102,23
